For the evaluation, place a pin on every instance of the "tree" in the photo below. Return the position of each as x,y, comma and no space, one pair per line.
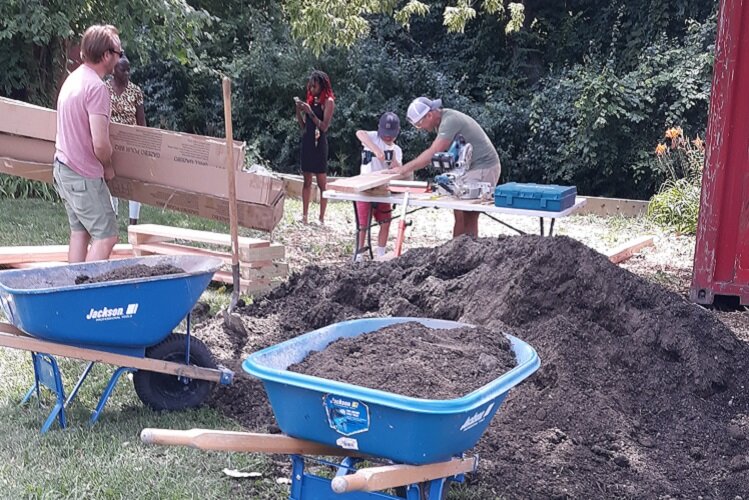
340,23
36,36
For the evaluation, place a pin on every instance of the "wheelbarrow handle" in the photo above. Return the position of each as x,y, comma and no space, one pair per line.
208,439
393,476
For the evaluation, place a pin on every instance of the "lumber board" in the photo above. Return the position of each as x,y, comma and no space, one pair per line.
606,207
359,183
245,286
179,233
50,253
248,270
8,338
274,270
628,249
249,257
261,256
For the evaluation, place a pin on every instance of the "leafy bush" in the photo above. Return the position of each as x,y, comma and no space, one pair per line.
676,206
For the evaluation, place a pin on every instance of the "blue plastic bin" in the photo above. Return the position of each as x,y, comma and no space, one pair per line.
403,429
123,316
546,197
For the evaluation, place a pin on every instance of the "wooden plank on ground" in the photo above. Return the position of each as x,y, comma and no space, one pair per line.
363,182
628,249
50,253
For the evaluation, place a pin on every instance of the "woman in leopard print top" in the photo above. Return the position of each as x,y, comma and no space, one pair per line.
127,108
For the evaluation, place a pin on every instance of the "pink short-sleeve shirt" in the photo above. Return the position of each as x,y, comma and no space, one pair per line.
83,94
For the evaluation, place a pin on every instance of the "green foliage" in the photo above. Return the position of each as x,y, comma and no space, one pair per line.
676,206
13,188
592,125
341,23
568,95
36,37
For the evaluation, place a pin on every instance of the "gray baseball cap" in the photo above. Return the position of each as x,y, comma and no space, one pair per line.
420,106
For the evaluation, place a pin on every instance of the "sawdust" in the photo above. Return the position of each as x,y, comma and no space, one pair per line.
641,394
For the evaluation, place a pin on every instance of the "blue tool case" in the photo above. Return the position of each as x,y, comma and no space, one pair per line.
546,197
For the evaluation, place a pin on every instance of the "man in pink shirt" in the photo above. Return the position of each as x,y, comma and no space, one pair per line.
83,152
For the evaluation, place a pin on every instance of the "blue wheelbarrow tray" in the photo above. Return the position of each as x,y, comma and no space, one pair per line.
124,316
374,422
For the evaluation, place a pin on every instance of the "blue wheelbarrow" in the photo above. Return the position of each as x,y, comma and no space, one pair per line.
128,322
422,442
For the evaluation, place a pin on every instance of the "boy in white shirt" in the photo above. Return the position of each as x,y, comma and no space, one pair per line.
380,153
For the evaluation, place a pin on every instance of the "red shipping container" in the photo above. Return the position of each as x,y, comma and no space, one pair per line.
721,257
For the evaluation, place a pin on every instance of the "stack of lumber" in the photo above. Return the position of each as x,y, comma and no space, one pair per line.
182,172
260,261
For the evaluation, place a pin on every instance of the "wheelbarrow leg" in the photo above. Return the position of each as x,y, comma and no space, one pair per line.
47,373
108,391
78,384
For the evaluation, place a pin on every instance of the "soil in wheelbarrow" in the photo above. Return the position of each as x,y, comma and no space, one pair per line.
415,360
129,272
641,394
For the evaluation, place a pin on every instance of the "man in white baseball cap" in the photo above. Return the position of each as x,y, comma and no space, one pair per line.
427,114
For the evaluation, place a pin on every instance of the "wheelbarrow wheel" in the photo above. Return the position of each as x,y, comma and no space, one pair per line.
161,391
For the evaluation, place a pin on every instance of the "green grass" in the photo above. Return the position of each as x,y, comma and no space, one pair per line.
108,459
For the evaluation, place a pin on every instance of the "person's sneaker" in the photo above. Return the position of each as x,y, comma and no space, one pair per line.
359,257
380,251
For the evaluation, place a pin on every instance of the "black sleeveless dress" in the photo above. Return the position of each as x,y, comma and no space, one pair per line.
314,152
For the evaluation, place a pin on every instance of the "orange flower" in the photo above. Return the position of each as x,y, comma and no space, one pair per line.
660,149
699,143
674,133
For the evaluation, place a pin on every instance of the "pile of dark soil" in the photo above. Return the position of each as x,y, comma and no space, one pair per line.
640,393
129,272
414,360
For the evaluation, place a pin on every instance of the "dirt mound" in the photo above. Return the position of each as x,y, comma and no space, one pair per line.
640,393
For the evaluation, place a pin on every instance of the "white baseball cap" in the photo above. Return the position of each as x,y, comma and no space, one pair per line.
419,108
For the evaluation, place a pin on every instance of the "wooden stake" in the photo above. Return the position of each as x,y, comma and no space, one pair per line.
232,193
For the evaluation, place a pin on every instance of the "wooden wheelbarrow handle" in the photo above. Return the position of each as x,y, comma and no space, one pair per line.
392,476
207,439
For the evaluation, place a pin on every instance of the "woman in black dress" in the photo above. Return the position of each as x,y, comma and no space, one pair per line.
314,117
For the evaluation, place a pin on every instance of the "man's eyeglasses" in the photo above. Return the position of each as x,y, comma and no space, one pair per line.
120,53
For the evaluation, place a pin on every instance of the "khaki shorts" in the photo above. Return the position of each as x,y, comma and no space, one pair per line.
490,175
87,202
